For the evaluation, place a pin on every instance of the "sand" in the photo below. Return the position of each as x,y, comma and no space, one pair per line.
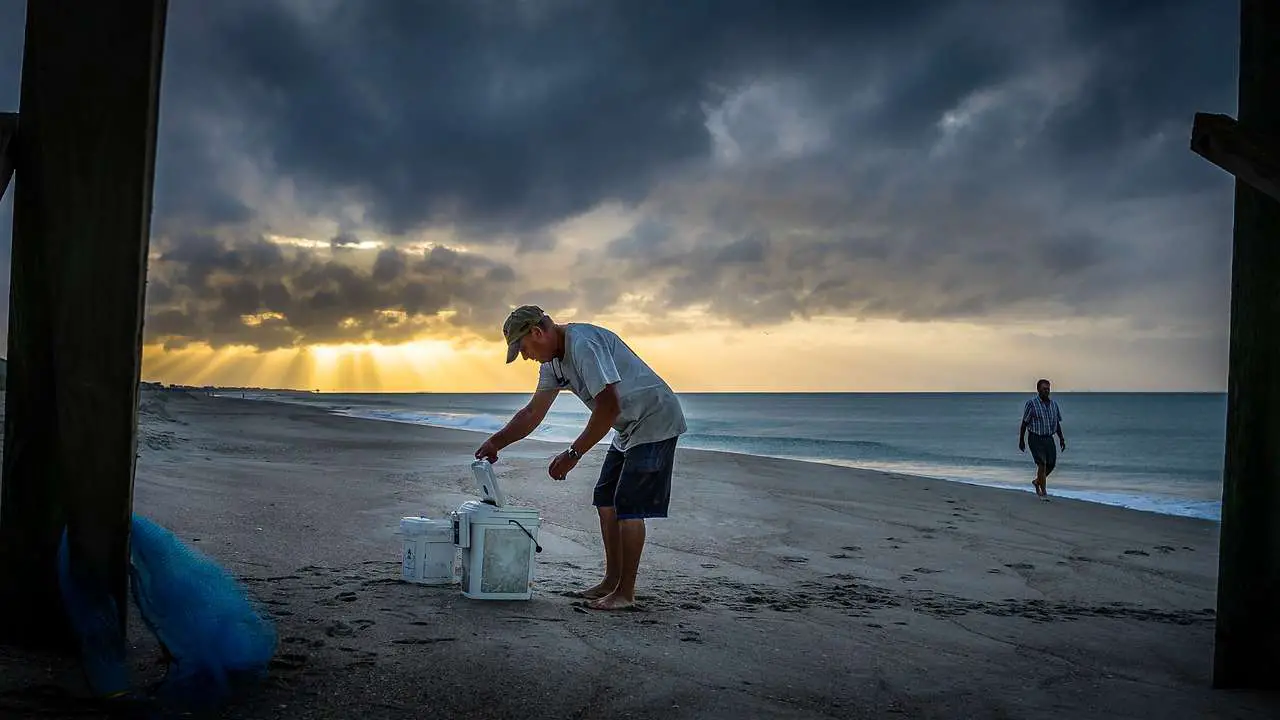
776,590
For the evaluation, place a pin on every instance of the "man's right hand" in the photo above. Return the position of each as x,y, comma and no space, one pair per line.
488,451
1022,444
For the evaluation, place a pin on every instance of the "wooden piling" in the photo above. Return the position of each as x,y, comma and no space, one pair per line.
1247,642
85,157
8,131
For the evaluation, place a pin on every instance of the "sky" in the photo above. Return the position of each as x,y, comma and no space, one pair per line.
916,195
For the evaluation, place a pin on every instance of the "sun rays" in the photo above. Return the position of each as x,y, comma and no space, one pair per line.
328,368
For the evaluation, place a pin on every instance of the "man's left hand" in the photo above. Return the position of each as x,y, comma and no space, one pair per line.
1062,443
561,465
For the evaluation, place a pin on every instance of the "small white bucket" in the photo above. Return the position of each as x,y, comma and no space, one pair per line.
428,556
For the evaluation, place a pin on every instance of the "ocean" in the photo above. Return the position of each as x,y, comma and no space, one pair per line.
1155,452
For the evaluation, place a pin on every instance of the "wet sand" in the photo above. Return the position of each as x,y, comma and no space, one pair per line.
776,590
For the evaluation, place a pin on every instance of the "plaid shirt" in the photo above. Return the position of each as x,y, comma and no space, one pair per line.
1040,418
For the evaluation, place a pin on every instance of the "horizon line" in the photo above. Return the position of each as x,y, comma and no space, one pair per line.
1030,391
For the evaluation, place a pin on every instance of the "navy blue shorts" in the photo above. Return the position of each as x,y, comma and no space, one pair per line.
1043,451
637,483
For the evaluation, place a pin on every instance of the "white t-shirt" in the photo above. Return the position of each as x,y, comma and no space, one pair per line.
595,357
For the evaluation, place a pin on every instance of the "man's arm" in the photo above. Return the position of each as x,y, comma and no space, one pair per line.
1022,429
526,420
602,417
599,377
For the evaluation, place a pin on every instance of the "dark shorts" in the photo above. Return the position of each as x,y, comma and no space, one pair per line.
1043,451
637,483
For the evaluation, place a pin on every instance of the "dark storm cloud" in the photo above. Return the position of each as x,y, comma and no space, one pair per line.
1160,62
253,292
833,187
491,115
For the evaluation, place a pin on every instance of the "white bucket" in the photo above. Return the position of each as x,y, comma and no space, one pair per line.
498,550
428,554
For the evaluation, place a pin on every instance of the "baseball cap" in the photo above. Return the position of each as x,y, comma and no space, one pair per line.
518,324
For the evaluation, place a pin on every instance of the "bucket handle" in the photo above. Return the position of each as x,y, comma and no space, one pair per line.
536,546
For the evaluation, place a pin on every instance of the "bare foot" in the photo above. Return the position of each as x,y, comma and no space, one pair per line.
605,587
613,601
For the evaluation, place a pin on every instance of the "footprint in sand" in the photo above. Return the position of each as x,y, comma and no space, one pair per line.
851,548
381,581
1020,566
289,661
1141,553
994,571
1164,548
925,570
794,559
339,628
907,578
582,607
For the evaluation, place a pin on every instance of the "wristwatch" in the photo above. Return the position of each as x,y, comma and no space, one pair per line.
575,454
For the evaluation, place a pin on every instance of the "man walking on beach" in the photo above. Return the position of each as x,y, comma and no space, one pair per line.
1041,420
624,393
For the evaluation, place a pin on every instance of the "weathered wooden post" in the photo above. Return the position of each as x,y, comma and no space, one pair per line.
1247,647
84,157
8,130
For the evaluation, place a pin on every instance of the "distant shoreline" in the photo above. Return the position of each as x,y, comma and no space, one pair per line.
1161,498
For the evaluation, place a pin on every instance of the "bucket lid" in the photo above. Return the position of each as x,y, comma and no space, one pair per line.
479,511
424,526
487,483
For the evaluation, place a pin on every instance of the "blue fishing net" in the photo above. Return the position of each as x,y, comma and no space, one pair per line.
215,637
93,614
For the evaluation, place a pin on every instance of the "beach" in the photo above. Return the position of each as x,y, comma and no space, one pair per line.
777,589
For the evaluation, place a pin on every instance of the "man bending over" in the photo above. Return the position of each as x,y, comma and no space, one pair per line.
623,393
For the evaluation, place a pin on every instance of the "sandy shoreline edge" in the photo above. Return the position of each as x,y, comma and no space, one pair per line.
777,589
1060,490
